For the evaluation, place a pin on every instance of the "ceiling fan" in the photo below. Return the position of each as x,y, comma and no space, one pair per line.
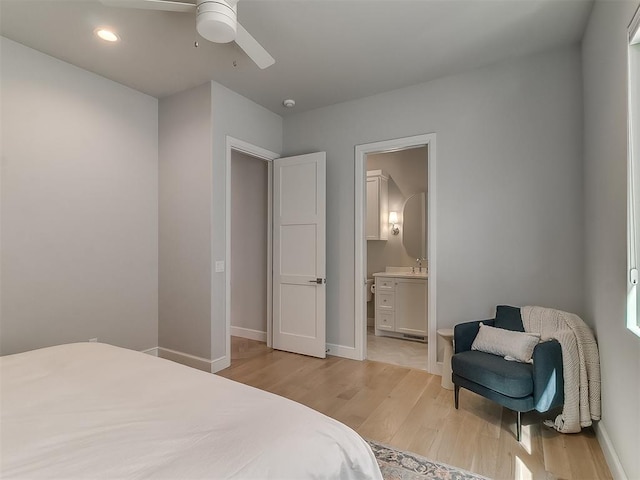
216,21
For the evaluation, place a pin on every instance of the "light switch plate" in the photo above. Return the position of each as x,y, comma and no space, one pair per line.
219,266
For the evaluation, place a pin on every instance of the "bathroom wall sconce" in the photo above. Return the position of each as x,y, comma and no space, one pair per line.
393,220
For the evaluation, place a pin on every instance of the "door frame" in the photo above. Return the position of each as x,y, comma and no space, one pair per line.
263,154
360,278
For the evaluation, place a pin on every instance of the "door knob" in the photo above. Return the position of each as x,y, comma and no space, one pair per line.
319,281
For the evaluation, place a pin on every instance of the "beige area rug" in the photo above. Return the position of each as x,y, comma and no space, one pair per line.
399,465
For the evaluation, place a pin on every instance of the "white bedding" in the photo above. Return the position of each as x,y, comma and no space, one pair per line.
91,410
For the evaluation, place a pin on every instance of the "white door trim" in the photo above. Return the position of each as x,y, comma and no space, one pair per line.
255,151
429,140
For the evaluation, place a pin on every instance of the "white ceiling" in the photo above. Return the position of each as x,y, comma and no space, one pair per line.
326,51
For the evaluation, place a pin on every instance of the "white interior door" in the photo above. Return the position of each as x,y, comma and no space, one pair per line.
299,253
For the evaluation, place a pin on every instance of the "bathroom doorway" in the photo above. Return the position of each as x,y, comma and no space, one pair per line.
396,219
395,252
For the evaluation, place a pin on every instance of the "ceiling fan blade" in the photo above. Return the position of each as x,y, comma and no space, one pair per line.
165,5
252,48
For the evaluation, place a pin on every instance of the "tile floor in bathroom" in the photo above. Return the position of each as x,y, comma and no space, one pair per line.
396,351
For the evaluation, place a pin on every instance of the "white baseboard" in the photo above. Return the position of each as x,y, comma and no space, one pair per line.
342,351
610,454
249,333
211,366
220,364
151,351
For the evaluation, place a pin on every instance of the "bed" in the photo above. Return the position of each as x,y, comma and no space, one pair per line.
92,410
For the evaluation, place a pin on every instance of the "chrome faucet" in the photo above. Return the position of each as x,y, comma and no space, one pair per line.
419,263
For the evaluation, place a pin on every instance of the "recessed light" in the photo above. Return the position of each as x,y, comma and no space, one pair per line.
289,103
106,34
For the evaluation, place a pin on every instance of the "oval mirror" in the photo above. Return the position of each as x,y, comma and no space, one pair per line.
414,214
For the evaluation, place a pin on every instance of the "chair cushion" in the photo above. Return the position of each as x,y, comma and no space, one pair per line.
512,379
509,318
506,343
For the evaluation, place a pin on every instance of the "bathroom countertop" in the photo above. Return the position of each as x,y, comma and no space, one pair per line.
401,274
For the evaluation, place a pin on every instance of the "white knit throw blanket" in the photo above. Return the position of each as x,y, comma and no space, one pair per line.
580,362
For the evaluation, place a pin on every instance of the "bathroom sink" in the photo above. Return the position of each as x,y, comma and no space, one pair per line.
402,272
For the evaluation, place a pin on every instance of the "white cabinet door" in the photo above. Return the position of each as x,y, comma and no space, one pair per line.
411,306
373,218
377,224
299,289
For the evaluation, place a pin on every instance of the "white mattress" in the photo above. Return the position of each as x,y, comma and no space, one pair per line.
91,410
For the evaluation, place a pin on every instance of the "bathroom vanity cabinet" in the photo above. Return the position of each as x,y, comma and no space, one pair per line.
401,305
377,225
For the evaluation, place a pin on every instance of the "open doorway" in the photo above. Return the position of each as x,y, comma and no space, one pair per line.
249,252
400,299
285,304
249,247
397,270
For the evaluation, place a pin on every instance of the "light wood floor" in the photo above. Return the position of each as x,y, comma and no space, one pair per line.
408,409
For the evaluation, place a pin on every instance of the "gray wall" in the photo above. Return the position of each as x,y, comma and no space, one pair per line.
193,128
185,126
79,206
509,184
407,170
249,202
238,117
605,146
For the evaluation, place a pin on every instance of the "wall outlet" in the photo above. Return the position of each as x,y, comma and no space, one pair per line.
93,339
219,266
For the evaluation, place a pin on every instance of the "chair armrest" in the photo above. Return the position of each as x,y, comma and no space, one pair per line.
548,379
465,333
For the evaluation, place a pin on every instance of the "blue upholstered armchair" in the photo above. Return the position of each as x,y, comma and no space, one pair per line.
521,387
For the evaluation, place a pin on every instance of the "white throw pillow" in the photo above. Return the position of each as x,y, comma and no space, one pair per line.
512,345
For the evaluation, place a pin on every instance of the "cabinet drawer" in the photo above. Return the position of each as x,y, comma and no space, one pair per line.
384,320
383,283
384,300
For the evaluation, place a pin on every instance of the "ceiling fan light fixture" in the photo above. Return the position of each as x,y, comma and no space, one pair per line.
106,34
217,21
